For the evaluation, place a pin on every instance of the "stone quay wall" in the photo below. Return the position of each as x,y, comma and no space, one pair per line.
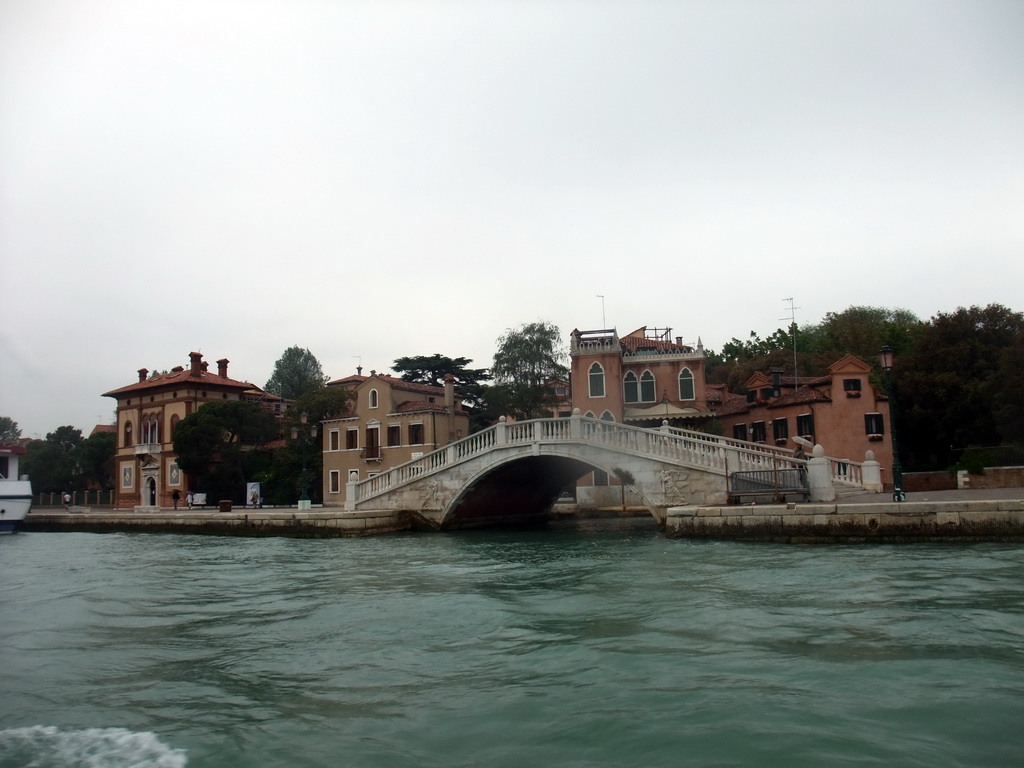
314,523
995,520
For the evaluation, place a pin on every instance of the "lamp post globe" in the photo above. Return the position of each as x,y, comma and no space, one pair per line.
885,359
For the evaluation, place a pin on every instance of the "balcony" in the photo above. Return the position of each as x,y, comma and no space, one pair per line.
147,449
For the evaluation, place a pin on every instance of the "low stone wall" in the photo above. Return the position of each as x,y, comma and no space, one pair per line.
909,521
915,482
994,477
316,523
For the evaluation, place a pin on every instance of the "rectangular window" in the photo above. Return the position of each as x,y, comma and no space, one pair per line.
352,439
767,394
757,432
416,434
334,440
851,385
739,431
805,425
600,477
394,435
751,395
780,430
630,390
335,486
873,424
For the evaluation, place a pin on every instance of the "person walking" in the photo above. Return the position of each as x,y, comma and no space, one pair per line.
189,498
67,501
175,497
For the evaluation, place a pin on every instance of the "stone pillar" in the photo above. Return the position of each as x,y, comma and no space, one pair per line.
871,473
819,476
499,431
575,427
350,495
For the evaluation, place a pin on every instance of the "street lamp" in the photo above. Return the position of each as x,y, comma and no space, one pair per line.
304,502
885,358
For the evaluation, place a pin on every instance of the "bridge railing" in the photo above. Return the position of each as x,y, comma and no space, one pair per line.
685,447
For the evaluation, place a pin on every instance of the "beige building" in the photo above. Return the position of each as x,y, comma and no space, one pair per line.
148,411
388,422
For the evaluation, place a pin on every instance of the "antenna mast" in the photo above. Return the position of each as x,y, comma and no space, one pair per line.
792,331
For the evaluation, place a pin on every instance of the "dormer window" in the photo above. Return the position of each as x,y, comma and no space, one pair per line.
851,387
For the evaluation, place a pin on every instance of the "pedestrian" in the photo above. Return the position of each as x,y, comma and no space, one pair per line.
67,501
175,497
799,452
255,499
189,499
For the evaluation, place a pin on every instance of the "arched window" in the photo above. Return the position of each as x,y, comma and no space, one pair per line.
174,424
686,391
630,390
373,398
607,416
127,434
647,387
596,380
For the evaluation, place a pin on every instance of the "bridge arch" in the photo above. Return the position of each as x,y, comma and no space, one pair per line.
524,487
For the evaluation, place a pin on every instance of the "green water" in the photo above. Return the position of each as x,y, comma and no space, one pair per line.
542,648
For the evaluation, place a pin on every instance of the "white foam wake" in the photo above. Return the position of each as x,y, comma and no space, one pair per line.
45,746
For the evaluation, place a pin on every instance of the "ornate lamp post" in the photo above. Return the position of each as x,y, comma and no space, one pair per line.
304,502
885,358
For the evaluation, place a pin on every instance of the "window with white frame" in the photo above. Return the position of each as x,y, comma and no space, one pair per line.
686,388
647,387
780,430
373,398
335,481
630,388
334,440
595,379
873,425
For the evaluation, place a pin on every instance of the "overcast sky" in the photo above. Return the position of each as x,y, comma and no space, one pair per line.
377,179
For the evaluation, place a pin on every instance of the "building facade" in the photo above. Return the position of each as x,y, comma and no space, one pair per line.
148,411
642,378
388,422
841,410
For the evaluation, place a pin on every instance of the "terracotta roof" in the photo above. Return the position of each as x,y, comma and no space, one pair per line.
415,406
13,448
353,379
733,404
800,396
633,343
179,378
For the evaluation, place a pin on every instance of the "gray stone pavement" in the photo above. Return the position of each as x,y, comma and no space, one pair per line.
973,494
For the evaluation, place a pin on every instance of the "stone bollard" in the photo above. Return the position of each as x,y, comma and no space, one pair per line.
871,473
819,476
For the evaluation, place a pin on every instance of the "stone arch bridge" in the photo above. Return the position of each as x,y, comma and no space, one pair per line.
515,471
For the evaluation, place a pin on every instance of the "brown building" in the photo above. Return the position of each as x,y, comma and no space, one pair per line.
641,379
388,422
841,411
148,411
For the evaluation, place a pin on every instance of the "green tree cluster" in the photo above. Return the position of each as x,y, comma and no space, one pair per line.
67,461
295,373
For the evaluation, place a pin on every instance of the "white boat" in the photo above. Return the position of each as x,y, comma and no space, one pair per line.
15,494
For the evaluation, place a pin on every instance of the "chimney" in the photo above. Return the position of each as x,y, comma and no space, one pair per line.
359,370
197,364
222,367
143,373
206,366
449,391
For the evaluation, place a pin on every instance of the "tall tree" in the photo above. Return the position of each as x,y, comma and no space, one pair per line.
947,387
432,369
528,359
53,464
295,373
210,443
9,430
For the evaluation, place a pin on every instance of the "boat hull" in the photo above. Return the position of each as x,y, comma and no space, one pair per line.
15,502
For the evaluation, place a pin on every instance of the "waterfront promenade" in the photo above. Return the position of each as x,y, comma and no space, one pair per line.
995,514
